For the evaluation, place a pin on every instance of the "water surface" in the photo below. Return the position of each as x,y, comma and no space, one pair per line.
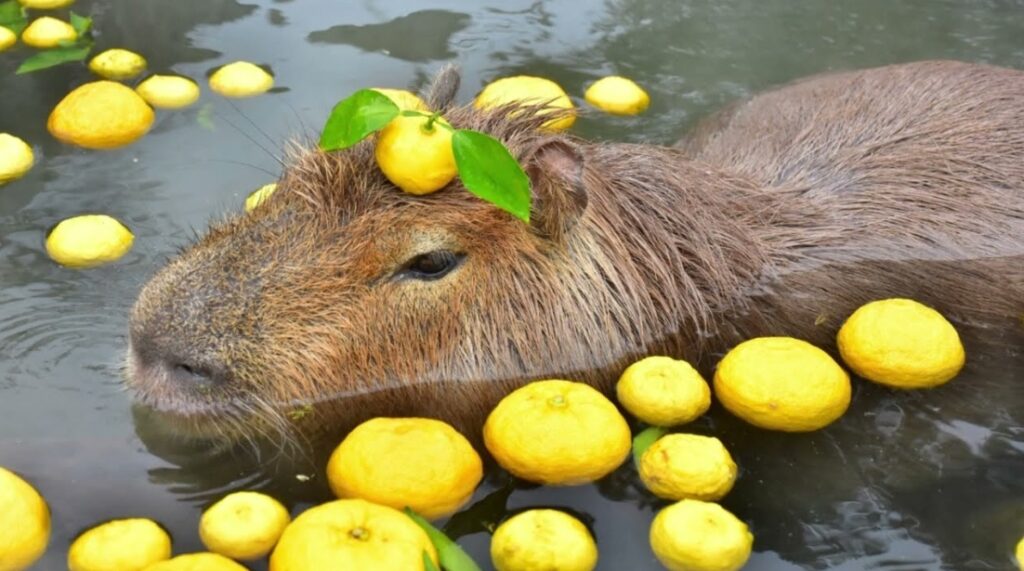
907,481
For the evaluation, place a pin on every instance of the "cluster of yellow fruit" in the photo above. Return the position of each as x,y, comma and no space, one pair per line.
107,114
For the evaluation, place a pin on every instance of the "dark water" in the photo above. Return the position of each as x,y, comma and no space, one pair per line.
906,481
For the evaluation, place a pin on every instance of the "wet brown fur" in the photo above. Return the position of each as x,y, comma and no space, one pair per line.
779,216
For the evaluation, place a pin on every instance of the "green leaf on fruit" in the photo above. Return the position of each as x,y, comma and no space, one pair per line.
452,557
643,441
12,16
55,56
428,563
356,117
490,172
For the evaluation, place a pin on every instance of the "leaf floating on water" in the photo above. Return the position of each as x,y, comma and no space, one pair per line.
452,557
81,24
56,56
644,440
204,118
355,117
490,172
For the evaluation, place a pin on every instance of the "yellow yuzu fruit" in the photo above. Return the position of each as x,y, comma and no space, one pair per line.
528,90
543,539
781,383
618,96
692,535
557,432
352,534
46,32
663,391
680,466
196,562
16,158
24,521
901,343
46,4
241,79
117,63
420,463
259,195
7,38
88,241
416,160
100,115
168,91
243,525
404,99
122,544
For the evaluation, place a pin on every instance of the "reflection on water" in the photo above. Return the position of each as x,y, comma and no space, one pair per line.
926,480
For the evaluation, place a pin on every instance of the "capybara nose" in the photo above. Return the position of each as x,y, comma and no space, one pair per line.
184,373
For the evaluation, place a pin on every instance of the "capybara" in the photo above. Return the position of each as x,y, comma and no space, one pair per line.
342,297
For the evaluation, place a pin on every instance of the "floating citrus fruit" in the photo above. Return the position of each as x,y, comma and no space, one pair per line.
416,159
618,96
421,463
781,383
122,544
168,91
88,241
196,562
692,535
241,79
528,90
243,525
259,195
46,4
557,432
680,466
352,534
1020,554
543,539
405,100
117,63
47,32
901,343
16,158
100,115
25,521
663,391
7,38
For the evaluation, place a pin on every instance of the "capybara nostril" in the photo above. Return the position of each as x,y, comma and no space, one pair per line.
186,374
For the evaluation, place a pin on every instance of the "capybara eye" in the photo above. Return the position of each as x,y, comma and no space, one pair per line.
430,266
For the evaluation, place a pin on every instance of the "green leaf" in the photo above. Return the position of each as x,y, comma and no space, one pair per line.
205,117
12,16
355,117
490,172
452,557
643,441
428,563
81,24
56,56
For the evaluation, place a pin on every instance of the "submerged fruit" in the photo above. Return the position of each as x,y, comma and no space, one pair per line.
16,158
558,433
88,241
196,562
168,91
405,100
663,391
543,539
528,90
100,115
618,96
25,521
241,79
901,343
692,535
421,463
781,383
243,525
415,158
259,195
122,544
352,534
117,63
47,32
680,466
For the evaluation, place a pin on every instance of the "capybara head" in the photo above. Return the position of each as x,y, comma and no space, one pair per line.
343,297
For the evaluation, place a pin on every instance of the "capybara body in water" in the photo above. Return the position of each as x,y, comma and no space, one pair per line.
342,298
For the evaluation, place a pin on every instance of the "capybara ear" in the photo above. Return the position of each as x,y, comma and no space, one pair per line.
555,168
441,93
